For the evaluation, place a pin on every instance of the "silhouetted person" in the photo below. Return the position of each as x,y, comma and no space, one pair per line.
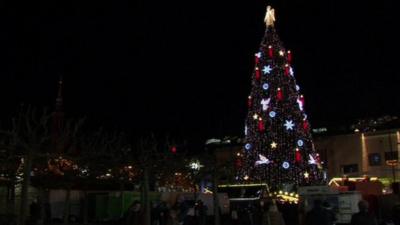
318,215
34,212
363,217
396,213
271,215
201,212
234,216
330,212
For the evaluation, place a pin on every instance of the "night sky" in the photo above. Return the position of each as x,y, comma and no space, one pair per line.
184,67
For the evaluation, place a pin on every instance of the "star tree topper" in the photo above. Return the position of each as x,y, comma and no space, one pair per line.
270,16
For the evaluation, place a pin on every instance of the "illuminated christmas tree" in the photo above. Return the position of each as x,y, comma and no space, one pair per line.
278,145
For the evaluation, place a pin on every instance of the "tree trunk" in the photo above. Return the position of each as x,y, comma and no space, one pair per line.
24,189
66,206
121,198
147,215
41,203
11,197
215,199
85,207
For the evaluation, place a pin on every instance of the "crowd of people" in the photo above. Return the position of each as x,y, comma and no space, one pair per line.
245,213
181,213
269,213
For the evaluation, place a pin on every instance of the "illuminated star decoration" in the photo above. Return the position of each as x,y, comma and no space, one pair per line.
267,69
263,160
274,144
306,175
265,104
255,116
289,125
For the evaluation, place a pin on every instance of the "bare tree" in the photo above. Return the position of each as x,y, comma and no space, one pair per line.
104,157
29,137
30,131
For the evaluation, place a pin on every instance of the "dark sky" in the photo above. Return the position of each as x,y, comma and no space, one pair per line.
184,67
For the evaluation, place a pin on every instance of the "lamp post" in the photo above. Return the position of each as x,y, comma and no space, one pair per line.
393,160
195,167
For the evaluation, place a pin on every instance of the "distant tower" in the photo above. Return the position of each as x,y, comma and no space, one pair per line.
58,120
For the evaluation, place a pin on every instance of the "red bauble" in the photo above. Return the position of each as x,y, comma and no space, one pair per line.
289,56
258,74
279,95
270,51
287,70
306,125
298,156
238,163
261,126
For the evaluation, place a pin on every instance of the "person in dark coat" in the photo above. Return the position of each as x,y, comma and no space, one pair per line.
318,215
35,211
331,214
363,217
396,214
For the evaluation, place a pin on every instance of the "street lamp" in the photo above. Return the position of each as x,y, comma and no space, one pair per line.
195,167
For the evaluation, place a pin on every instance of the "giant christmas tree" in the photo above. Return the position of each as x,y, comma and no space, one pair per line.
278,145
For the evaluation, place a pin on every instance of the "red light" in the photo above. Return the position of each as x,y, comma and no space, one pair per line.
173,149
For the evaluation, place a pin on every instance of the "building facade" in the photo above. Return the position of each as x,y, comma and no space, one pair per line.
361,153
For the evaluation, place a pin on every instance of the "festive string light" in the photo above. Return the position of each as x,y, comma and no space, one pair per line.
285,165
272,114
300,143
